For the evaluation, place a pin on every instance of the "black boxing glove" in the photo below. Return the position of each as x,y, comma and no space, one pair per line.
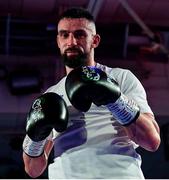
88,84
47,112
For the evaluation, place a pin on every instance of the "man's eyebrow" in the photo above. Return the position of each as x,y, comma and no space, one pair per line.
83,29
62,31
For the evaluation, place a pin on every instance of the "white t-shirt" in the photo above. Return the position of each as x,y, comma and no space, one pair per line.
95,145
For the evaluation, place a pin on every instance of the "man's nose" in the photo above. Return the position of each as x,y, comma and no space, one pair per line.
71,39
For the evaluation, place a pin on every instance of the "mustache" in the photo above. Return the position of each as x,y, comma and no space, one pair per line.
72,49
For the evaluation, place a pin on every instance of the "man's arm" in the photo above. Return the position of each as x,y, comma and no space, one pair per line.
94,86
35,166
145,132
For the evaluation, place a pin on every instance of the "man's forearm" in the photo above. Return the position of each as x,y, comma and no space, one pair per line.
34,167
145,132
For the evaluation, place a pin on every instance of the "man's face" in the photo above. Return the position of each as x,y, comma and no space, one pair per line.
75,40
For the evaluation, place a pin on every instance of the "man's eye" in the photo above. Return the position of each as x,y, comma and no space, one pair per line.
80,34
64,35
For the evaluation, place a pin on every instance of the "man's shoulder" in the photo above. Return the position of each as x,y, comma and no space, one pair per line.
112,70
58,86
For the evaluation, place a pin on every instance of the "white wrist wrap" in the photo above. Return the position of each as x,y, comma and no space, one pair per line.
124,110
32,148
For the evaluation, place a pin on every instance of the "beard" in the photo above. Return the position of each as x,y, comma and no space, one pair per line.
74,61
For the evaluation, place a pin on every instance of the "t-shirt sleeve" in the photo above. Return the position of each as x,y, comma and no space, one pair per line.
133,89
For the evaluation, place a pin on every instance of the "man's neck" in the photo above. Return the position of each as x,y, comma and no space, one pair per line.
68,69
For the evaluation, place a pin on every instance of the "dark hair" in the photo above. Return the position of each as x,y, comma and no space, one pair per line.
77,12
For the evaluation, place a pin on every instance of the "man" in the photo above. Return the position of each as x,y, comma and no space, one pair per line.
95,144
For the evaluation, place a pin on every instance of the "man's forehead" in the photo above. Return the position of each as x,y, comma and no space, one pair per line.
76,23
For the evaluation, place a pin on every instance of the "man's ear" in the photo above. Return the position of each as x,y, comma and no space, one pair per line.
96,40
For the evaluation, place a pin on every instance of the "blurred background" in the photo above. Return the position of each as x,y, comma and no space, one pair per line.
134,35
